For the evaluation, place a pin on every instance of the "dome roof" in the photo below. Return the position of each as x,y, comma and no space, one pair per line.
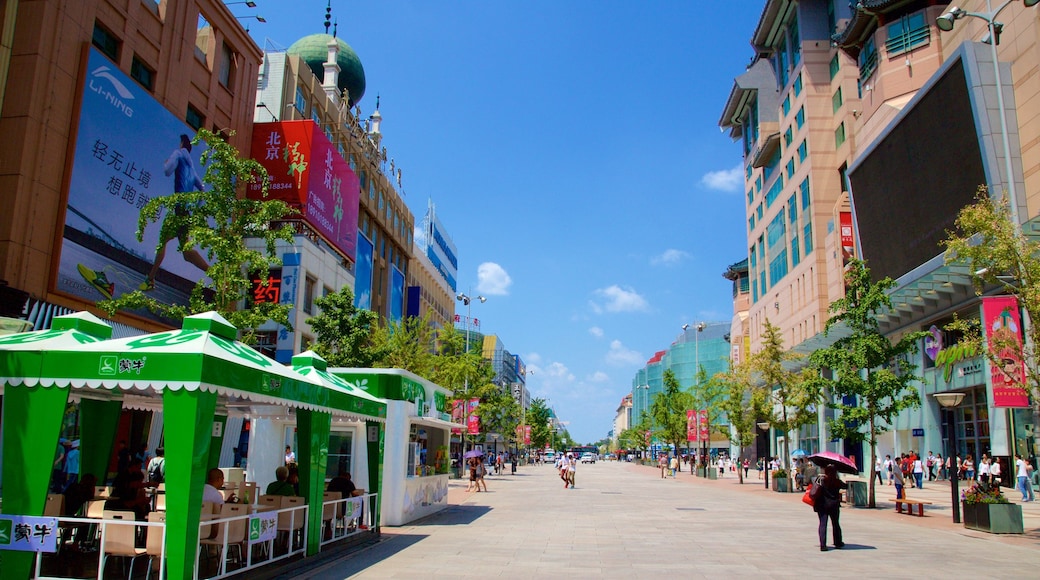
314,51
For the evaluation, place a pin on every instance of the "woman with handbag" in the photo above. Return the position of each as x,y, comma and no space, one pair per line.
827,504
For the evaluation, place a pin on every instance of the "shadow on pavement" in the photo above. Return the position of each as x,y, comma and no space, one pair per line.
454,516
847,547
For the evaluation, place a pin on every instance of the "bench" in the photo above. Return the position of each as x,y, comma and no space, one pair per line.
910,503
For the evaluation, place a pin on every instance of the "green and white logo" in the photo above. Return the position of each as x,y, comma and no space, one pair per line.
254,529
109,364
5,532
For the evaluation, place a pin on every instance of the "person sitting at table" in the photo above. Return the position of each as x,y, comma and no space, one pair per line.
342,484
280,486
128,491
79,494
214,483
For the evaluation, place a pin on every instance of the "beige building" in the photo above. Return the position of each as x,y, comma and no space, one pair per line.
175,61
623,417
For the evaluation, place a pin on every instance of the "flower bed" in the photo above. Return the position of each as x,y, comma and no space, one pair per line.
986,509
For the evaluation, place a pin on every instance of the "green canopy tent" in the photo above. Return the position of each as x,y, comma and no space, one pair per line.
313,366
191,370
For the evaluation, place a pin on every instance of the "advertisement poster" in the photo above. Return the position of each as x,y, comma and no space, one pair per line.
129,150
704,429
286,343
363,273
848,244
472,420
308,173
396,293
1004,336
28,533
691,425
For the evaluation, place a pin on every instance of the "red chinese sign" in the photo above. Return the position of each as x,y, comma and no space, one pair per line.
691,425
1004,335
848,244
703,428
266,289
472,420
308,173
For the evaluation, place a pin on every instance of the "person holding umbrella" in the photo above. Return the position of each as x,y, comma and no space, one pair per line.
473,463
828,505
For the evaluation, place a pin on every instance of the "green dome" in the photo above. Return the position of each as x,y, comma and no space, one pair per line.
314,50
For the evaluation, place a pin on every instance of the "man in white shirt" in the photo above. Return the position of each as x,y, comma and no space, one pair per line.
1022,472
572,465
211,492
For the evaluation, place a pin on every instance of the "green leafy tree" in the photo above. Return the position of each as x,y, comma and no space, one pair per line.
791,403
465,373
409,344
868,369
669,411
344,333
217,221
538,418
743,401
998,254
632,438
707,395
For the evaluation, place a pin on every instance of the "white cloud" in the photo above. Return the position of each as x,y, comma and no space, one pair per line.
728,180
669,257
620,355
493,279
618,299
558,370
598,377
596,331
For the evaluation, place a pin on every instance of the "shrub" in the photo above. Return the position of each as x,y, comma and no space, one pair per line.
983,493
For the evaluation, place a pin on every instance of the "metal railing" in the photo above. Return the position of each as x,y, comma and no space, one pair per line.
343,518
90,534
289,522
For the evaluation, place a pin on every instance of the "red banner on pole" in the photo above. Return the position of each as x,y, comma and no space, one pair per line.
691,425
472,420
704,430
527,434
1004,335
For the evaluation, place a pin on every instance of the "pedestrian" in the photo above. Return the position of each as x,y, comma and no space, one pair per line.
156,468
721,464
931,466
919,473
290,457
828,505
888,469
984,465
995,471
71,465
472,464
662,463
1022,469
760,464
897,477
969,468
58,467
572,467
877,471
747,465
673,464
481,472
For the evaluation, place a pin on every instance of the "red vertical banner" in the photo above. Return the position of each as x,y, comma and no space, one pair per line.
1004,338
527,434
703,428
458,410
848,244
472,420
691,425
647,437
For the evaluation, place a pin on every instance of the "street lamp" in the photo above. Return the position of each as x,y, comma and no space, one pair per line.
465,299
946,22
697,377
646,405
949,401
765,464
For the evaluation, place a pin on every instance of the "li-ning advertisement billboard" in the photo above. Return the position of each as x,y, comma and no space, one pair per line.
129,149
441,250
308,173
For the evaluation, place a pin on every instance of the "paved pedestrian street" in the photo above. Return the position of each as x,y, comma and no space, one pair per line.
623,521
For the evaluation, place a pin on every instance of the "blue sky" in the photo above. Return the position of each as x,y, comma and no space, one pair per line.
573,151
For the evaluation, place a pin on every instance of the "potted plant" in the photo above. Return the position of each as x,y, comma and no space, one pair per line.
779,480
988,510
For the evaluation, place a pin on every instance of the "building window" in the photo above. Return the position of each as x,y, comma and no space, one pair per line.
301,101
778,267
807,237
142,73
867,59
907,34
106,42
790,168
796,48
799,119
792,211
805,195
228,63
782,63
309,285
194,118
775,190
750,196
751,224
836,101
203,37
803,151
787,104
839,135
797,85
788,137
795,253
760,211
835,65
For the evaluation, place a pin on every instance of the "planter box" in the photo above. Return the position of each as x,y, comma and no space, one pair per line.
780,484
700,472
995,518
713,474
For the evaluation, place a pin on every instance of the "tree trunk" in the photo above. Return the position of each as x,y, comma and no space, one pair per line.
873,462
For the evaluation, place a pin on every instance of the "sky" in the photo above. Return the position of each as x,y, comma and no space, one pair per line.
573,152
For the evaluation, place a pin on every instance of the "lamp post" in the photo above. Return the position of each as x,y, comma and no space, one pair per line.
765,464
465,299
646,404
949,401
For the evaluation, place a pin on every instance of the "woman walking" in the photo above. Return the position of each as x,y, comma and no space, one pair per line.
828,505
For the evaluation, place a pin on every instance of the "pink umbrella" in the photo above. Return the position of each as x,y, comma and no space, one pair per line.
844,464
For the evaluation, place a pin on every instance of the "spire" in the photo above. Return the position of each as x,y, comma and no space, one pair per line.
328,16
335,27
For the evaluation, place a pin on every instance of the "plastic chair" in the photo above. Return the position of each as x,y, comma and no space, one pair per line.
248,492
160,502
236,531
331,513
55,506
291,522
154,543
120,539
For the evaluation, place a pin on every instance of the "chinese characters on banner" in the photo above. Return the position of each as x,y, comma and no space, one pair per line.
704,430
1004,336
848,244
472,420
28,534
691,425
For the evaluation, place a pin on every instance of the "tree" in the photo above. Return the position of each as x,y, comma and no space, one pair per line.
790,404
217,221
707,395
343,332
538,418
669,411
872,376
743,401
409,344
997,253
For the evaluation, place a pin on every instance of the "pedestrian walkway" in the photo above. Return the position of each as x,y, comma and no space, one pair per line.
624,521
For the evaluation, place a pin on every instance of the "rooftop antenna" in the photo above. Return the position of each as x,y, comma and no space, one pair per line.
335,26
328,16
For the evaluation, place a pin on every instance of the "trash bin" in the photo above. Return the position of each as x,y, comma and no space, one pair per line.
858,493
713,473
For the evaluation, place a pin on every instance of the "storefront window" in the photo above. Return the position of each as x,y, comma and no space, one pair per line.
341,446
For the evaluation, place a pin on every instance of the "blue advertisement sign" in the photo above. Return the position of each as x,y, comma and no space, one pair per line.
396,293
441,251
286,343
129,149
28,534
363,273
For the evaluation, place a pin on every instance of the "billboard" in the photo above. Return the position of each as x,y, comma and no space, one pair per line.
286,343
691,425
441,251
1004,335
309,174
363,273
396,293
129,149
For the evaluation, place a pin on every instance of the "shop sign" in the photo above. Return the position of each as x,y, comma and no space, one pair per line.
918,432
263,527
28,534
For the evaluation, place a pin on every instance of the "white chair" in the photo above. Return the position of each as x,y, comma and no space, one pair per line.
331,513
236,531
55,506
120,539
154,543
290,523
